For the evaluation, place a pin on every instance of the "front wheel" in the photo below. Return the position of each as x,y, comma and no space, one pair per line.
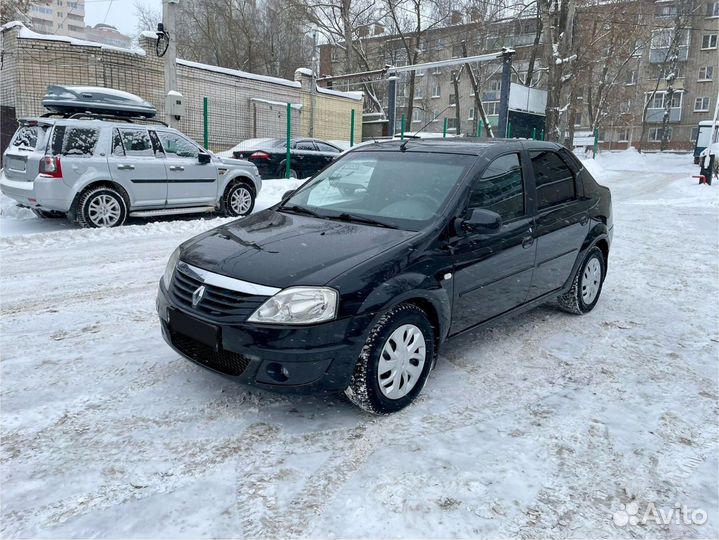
395,362
239,200
587,284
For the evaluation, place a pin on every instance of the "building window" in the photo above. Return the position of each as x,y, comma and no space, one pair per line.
625,106
418,92
701,104
452,100
623,135
577,119
631,77
452,123
655,134
712,9
659,100
706,73
491,108
437,71
471,114
709,41
436,90
416,116
666,11
419,73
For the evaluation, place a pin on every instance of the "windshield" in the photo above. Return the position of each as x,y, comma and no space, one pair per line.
400,189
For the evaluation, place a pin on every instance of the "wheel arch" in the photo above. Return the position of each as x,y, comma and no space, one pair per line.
101,183
240,177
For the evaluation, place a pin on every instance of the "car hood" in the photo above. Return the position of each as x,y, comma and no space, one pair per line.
281,250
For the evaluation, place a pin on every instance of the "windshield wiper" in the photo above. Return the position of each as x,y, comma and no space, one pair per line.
359,219
297,209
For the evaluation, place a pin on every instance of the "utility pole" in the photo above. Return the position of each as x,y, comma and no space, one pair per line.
169,8
504,93
313,84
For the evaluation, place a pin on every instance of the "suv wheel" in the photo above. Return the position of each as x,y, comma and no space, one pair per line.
239,200
47,214
587,284
395,361
101,207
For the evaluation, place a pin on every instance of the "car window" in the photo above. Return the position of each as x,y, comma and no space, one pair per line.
323,147
571,160
137,143
159,152
500,188
554,179
26,137
306,145
72,141
117,148
176,145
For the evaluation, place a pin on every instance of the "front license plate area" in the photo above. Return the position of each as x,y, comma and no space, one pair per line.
207,334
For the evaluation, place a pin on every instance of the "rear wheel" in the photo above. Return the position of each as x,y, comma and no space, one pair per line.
239,200
282,173
587,284
47,214
101,207
395,362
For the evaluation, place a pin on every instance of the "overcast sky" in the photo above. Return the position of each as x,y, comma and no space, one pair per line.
119,13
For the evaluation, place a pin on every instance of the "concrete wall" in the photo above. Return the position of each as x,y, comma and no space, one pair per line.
241,105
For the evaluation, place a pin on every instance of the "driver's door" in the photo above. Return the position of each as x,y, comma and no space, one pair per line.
189,182
493,271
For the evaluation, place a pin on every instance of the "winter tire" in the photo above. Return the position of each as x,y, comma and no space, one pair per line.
282,172
239,200
586,285
101,207
395,361
47,214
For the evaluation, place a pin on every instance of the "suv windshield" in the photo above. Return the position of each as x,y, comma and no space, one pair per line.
399,189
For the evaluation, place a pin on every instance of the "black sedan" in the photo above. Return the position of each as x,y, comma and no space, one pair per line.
307,156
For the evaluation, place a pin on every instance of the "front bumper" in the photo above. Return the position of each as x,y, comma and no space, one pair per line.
305,360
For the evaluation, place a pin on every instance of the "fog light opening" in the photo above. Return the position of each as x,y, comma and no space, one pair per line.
278,372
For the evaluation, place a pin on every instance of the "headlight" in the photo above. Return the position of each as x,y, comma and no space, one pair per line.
170,268
298,305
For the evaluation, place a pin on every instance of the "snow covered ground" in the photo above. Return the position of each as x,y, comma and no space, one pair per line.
541,426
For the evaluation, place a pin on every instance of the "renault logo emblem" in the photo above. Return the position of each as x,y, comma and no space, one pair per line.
197,296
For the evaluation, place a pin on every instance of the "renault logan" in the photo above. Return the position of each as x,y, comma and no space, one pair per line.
355,289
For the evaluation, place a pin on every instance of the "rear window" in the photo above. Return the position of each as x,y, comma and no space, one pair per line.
72,141
27,137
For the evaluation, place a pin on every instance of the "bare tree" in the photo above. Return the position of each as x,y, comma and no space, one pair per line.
147,17
13,10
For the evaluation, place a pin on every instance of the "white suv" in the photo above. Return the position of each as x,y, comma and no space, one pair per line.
98,172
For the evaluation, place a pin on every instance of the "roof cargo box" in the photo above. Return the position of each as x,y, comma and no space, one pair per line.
95,99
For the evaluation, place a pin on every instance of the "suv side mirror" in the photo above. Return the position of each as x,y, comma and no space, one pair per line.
481,221
204,158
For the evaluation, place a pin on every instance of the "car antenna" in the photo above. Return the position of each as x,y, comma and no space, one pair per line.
403,146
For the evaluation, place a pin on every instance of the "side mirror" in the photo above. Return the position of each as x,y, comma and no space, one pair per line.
204,158
481,221
287,194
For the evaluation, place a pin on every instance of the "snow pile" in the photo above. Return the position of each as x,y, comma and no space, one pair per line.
10,210
631,160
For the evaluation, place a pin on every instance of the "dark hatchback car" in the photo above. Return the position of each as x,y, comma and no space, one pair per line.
307,156
356,289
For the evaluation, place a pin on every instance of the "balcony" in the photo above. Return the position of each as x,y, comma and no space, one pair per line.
657,56
656,115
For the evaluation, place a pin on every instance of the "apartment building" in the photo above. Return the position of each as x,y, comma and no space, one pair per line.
696,85
64,17
107,34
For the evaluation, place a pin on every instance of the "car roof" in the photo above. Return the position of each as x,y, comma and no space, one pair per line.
460,145
49,121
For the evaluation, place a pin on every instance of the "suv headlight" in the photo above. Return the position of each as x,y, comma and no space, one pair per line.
298,305
170,268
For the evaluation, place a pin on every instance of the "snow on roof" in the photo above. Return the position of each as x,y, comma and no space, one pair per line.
297,106
357,96
25,33
148,34
304,71
238,73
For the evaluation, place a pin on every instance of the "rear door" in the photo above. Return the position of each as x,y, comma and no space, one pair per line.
306,160
493,271
76,144
189,182
561,223
138,165
22,157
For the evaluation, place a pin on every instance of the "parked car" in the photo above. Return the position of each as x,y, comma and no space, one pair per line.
307,156
97,172
333,292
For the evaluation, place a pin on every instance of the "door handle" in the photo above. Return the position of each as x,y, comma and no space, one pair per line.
177,168
527,241
123,167
584,220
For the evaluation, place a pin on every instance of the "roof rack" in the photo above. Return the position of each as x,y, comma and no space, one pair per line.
98,116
